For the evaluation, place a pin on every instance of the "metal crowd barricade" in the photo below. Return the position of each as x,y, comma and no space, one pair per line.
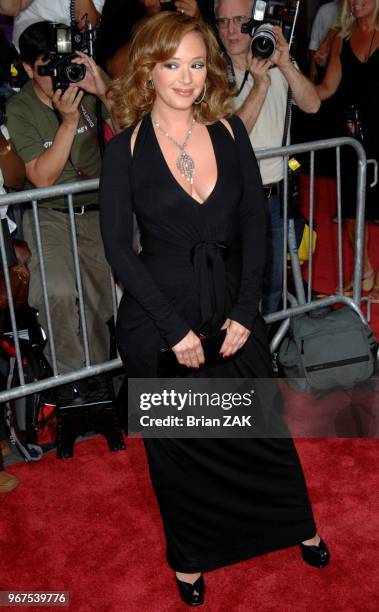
34,196
300,303
297,305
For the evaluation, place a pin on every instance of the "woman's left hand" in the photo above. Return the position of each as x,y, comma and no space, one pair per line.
93,82
236,336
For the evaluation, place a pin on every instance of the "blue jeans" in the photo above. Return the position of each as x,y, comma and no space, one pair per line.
273,274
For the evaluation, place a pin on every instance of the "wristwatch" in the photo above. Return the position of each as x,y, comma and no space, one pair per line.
6,149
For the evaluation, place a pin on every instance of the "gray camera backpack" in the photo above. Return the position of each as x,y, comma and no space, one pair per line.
326,350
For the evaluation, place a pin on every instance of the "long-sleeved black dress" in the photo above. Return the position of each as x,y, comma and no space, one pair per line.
221,500
358,88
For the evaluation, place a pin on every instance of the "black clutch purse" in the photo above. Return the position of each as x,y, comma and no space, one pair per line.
169,367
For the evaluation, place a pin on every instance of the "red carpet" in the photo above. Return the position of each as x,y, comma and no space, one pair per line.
90,525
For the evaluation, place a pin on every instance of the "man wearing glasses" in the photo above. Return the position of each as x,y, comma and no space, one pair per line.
262,86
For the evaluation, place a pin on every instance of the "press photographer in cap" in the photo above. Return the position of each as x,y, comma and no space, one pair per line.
261,73
54,127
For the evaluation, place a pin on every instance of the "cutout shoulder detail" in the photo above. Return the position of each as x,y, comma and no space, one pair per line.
134,137
226,123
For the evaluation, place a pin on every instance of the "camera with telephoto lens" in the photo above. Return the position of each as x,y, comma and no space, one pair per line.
265,14
63,43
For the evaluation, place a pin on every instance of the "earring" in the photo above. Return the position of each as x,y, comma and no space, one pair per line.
150,84
200,100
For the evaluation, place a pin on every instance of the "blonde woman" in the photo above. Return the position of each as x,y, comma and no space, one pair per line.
192,180
353,72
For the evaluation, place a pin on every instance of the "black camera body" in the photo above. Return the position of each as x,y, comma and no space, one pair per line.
265,14
64,41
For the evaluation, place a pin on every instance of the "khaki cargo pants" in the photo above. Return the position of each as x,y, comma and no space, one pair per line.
62,288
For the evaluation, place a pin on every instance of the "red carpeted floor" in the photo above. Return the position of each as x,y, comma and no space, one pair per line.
90,525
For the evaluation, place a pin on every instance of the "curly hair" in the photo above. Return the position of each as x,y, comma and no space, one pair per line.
156,40
347,21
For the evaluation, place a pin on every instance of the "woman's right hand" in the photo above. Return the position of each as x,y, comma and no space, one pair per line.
189,351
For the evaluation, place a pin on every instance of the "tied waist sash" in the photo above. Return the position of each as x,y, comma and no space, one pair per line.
207,258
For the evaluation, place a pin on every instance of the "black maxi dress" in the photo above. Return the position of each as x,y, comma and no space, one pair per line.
221,500
359,88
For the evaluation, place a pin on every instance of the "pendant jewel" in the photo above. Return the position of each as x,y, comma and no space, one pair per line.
186,166
184,163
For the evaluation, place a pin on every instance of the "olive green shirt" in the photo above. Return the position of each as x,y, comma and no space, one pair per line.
32,126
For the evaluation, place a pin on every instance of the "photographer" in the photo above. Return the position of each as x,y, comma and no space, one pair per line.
55,133
262,86
32,11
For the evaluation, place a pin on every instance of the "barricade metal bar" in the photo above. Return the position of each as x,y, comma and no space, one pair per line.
339,219
295,264
316,145
374,163
48,383
285,225
284,326
45,193
12,313
46,303
328,301
280,334
78,276
310,224
359,231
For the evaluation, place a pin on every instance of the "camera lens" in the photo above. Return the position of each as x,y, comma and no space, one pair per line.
263,43
75,72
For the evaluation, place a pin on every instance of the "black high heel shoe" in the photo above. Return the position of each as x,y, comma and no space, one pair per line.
317,556
187,591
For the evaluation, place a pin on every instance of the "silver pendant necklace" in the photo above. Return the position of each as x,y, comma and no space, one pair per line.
184,163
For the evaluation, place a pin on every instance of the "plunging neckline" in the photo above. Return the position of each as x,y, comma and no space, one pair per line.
363,62
194,201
